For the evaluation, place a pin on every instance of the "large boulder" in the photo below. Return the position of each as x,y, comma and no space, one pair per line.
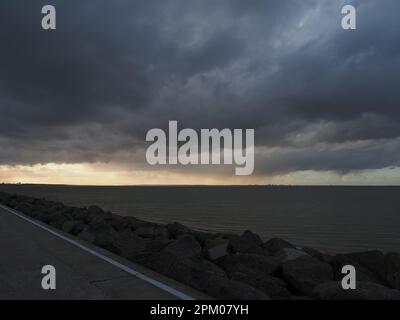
176,229
362,273
157,245
364,291
194,272
372,260
305,273
73,226
215,248
129,244
101,224
25,207
274,287
321,256
93,212
240,262
57,220
152,231
227,289
87,234
275,245
240,244
252,237
392,269
184,247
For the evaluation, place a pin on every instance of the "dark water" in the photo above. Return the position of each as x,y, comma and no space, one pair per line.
338,219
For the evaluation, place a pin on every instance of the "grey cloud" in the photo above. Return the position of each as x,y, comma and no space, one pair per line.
112,70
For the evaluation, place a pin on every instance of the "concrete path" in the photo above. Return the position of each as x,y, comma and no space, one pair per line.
82,270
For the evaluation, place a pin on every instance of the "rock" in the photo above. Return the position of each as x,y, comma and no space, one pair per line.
101,224
239,244
215,248
194,272
78,214
202,237
392,269
305,273
73,226
25,208
130,223
176,230
287,254
123,243
58,219
117,222
252,237
275,288
93,212
87,234
129,244
364,291
107,241
242,262
226,289
152,232
362,273
144,258
184,247
371,260
274,245
321,256
156,245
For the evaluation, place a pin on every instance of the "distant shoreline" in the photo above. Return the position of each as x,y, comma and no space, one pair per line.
205,185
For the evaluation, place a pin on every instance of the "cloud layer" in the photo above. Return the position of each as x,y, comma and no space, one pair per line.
320,98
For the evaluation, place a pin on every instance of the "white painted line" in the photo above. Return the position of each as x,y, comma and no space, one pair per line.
121,266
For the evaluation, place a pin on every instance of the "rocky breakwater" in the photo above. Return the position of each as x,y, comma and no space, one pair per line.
224,266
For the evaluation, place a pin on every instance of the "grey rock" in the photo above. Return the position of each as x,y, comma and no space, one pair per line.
73,226
371,260
239,244
226,289
184,247
305,273
321,256
152,231
176,230
87,235
259,263
57,220
129,244
25,207
215,248
194,272
274,245
392,269
93,212
156,245
273,287
252,237
362,273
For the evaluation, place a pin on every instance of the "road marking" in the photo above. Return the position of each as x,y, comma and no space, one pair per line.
117,264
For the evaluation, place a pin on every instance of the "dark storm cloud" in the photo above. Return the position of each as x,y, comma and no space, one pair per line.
319,97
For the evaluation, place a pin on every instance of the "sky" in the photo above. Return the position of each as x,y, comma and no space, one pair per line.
76,102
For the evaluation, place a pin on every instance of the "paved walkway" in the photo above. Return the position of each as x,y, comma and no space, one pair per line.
82,271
